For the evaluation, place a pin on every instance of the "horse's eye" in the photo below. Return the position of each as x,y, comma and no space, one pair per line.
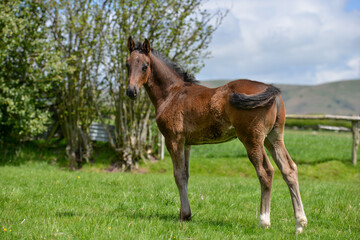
144,68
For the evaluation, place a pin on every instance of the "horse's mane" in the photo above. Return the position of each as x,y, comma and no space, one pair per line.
177,68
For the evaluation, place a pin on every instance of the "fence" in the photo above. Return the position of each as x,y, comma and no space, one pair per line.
354,129
97,132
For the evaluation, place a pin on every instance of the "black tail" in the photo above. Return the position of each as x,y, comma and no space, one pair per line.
243,101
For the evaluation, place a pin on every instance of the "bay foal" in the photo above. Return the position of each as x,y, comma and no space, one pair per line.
190,114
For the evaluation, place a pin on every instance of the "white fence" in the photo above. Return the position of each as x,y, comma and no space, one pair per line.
97,132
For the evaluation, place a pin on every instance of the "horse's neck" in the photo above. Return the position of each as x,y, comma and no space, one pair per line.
162,82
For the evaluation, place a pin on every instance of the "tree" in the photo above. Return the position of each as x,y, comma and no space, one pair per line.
76,28
90,38
25,62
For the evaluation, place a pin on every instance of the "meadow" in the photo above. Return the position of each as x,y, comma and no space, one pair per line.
42,199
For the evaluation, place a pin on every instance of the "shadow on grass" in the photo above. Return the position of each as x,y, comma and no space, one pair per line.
66,214
15,154
171,218
174,218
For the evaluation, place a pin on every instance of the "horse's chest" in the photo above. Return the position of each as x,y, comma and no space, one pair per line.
180,117
170,122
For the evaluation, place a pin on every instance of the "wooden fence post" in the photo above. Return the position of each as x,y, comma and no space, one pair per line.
355,133
161,146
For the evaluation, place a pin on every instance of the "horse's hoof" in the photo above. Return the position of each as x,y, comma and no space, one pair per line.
264,221
185,217
300,225
264,225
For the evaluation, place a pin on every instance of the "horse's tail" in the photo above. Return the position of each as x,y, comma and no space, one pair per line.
265,98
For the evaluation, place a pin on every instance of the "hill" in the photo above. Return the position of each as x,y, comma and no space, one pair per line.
342,97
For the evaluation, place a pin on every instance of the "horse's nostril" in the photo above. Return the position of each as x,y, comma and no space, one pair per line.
128,92
132,92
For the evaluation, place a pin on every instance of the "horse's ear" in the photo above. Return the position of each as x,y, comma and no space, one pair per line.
131,44
146,46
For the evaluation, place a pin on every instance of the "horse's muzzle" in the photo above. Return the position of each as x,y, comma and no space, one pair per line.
132,92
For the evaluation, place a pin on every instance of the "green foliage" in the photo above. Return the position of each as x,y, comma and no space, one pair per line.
24,58
71,55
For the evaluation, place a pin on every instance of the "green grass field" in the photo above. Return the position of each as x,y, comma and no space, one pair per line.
40,200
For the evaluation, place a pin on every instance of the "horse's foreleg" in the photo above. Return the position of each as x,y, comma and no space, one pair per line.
179,156
289,172
265,172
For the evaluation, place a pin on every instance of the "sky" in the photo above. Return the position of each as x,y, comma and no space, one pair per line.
303,42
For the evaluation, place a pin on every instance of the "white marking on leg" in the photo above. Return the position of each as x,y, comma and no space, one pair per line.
301,224
264,220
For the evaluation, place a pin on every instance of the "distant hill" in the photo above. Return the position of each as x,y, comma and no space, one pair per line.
342,97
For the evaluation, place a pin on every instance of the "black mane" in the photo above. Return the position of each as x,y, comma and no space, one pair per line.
178,69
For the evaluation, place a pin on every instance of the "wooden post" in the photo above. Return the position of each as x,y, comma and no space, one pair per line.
163,147
355,133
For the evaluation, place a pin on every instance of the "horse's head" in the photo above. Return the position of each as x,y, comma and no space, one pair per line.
138,65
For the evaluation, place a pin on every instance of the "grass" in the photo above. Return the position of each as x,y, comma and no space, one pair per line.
39,200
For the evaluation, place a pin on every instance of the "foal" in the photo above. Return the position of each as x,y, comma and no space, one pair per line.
189,114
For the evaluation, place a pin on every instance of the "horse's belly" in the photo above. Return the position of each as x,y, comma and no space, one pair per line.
211,135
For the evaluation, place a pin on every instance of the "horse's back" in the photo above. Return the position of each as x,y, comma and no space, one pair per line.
246,86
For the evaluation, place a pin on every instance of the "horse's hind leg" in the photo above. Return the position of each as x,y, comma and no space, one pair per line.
265,172
180,158
187,160
275,144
